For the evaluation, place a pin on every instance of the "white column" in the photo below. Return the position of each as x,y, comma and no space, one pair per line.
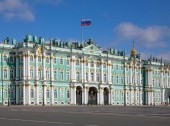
17,94
87,95
17,67
28,90
24,94
45,100
101,76
73,69
28,65
82,70
163,96
89,74
44,70
24,67
52,70
74,95
52,94
37,94
101,96
94,71
109,72
98,97
111,96
130,75
36,66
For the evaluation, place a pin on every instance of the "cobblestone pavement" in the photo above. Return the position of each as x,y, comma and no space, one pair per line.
160,111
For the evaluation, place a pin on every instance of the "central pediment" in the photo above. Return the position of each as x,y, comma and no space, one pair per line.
92,49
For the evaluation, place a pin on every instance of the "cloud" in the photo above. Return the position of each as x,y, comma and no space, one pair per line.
16,9
150,37
53,2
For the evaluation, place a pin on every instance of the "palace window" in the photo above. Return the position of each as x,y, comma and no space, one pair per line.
104,65
31,73
105,78
39,73
86,76
54,60
47,74
87,63
92,76
21,72
61,61
61,75
98,64
39,58
55,74
6,93
5,59
5,73
11,73
55,94
78,76
97,77
117,79
77,62
31,58
68,62
117,67
47,59
112,79
122,79
21,59
32,93
48,94
92,64
11,59
68,94
67,75
12,92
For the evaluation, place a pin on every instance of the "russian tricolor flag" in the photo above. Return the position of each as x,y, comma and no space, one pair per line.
85,22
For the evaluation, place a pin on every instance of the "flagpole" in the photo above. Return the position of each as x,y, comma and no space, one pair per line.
81,32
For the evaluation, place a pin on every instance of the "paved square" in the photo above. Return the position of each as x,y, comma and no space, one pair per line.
84,115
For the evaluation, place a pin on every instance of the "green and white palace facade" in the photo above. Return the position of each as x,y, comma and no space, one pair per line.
34,72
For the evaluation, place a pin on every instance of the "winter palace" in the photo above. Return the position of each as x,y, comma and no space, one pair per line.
34,72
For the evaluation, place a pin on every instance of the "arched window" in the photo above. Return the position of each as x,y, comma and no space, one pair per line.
55,74
47,74
92,64
5,58
47,94
68,94
31,58
55,94
117,79
105,78
97,77
67,75
11,73
39,73
39,58
92,76
5,73
31,73
32,93
86,76
61,75
78,76
77,62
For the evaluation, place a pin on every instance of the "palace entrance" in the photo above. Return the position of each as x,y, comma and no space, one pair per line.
78,95
167,95
106,96
92,96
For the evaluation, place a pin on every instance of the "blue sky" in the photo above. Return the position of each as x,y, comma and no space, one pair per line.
115,23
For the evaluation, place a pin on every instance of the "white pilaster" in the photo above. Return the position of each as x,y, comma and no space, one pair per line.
37,94
24,94
36,65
